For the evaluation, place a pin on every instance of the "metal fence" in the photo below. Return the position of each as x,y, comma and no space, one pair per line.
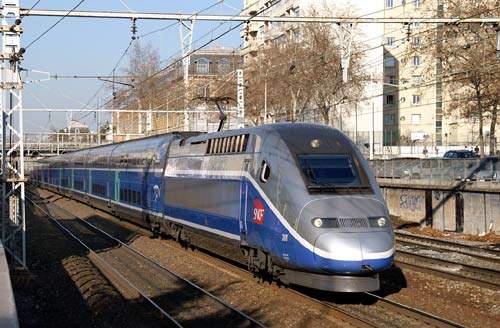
438,169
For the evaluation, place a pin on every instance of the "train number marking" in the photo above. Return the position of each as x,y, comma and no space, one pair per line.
258,211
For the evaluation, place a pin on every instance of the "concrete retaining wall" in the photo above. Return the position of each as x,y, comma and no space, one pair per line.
469,207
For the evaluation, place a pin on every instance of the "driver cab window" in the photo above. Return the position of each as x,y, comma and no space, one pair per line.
265,171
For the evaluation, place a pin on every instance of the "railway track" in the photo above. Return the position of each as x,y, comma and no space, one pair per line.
167,293
479,252
428,255
346,313
411,312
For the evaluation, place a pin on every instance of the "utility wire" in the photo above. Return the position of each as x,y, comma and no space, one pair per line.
54,25
36,3
175,23
114,69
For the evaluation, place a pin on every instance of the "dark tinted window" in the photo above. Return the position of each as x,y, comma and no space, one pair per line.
450,154
329,170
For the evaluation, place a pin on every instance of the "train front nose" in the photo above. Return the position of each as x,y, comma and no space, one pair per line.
349,238
353,252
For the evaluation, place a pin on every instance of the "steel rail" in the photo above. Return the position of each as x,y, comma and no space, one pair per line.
448,245
151,261
485,277
342,314
105,263
246,18
414,313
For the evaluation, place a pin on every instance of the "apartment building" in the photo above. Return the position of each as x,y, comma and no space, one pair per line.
413,90
416,106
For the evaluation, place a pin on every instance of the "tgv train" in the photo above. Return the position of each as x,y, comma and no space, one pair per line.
296,202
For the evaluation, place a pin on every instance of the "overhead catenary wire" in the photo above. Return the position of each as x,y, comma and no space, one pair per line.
382,45
393,90
213,39
376,62
173,56
33,6
53,25
175,23
141,36
421,32
124,52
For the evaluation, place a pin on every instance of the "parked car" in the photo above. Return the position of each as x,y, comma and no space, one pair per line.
465,153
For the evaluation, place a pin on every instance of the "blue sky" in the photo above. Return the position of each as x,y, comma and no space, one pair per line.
84,46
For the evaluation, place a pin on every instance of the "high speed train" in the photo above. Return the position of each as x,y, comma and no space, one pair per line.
296,202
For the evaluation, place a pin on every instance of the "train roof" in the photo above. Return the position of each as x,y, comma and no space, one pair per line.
296,135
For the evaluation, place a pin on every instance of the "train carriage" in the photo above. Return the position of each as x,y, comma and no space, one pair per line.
297,202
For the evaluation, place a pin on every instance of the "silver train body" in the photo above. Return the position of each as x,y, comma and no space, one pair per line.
297,202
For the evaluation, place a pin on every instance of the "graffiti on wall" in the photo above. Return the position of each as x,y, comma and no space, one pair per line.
411,201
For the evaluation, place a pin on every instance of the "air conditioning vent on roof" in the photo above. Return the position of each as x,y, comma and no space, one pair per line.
228,145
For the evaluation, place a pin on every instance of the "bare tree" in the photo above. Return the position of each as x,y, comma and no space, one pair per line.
467,55
301,73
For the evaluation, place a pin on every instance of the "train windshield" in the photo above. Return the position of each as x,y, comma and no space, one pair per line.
330,171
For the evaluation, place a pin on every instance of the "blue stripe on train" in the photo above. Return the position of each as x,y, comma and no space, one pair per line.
271,235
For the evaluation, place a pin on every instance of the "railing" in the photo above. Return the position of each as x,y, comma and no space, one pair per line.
438,169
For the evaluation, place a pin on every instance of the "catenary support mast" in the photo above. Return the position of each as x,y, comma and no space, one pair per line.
11,103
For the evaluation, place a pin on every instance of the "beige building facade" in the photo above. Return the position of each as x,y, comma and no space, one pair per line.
416,107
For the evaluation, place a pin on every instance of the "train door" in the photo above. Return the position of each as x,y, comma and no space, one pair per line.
244,201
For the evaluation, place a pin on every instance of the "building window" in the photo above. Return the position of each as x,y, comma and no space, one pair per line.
392,80
416,99
389,99
416,40
415,119
416,79
389,119
202,66
416,61
390,41
224,66
415,25
389,3
417,3
390,61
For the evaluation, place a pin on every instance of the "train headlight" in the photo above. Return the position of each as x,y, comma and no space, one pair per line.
318,223
378,221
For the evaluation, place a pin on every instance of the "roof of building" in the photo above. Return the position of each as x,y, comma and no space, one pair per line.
217,50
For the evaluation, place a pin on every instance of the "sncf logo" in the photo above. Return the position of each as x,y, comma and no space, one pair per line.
258,211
